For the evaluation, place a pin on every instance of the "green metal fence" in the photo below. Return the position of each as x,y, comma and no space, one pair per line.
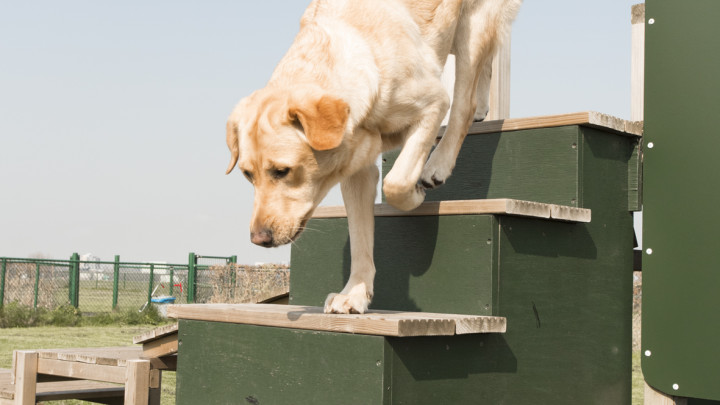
102,286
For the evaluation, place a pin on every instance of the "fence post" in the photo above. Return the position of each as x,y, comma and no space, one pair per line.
150,283
192,273
172,280
2,281
116,281
37,284
75,280
233,274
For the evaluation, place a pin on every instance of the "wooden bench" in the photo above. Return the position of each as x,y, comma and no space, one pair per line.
94,391
110,375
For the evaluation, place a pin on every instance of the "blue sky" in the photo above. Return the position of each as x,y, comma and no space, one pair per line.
112,115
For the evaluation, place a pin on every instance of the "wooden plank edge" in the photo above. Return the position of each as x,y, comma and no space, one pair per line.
156,333
588,118
638,14
296,318
375,322
502,206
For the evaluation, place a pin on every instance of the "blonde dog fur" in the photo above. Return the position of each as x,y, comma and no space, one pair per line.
363,77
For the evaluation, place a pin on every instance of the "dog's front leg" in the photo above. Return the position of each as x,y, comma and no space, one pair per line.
359,195
401,187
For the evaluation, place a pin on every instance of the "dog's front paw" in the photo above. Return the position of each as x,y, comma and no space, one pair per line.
435,172
404,199
346,304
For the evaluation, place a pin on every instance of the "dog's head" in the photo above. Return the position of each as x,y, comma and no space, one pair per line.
285,141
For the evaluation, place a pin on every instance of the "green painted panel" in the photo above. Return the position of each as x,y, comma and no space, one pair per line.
537,165
434,264
222,363
566,292
681,278
466,369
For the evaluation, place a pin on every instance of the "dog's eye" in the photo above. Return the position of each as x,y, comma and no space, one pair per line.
248,175
280,173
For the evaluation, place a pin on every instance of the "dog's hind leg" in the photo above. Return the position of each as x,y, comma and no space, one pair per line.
477,39
359,196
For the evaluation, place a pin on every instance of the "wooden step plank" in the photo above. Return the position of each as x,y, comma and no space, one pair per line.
163,346
83,371
59,390
587,118
156,333
501,206
107,356
382,323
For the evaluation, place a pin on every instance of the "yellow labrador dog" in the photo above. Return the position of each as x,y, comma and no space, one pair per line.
363,77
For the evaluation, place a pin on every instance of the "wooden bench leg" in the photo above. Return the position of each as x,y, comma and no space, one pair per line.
155,388
25,376
137,382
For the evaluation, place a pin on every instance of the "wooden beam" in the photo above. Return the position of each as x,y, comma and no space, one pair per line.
25,380
499,101
503,206
137,382
161,346
381,323
637,63
156,333
84,371
587,118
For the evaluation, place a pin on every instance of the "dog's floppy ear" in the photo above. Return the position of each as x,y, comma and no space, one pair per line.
233,142
324,120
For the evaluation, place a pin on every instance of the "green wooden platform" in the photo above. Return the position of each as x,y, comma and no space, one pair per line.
564,287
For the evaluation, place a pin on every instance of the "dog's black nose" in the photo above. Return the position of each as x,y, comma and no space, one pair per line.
263,238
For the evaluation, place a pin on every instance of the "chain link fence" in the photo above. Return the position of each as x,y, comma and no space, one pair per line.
100,287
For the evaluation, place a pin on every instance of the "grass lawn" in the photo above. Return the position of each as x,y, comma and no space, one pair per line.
100,336
51,337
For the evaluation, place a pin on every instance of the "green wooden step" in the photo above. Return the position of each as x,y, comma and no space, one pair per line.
539,159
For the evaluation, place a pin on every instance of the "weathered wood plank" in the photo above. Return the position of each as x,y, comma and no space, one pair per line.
382,323
108,356
588,118
26,368
637,63
137,382
156,333
479,207
60,390
162,346
85,371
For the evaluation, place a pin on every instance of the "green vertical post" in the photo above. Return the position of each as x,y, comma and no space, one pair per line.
233,275
172,280
74,280
192,273
3,267
116,281
37,284
150,283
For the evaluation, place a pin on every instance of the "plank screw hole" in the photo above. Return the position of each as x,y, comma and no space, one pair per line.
651,145
379,363
651,21
649,251
648,353
676,387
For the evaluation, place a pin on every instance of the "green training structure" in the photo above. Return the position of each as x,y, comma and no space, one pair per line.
681,267
564,287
